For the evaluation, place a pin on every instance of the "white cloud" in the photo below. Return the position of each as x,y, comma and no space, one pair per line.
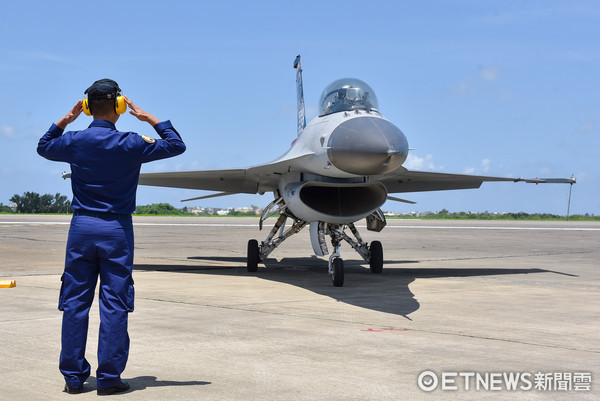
463,86
7,132
529,13
507,94
414,162
47,56
587,126
472,84
484,167
489,73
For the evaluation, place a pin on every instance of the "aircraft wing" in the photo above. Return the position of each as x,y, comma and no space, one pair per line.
404,180
257,179
233,181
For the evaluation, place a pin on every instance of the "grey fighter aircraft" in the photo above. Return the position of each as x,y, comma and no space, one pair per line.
340,169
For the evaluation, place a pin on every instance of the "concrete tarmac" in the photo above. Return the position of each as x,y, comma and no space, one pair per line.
472,302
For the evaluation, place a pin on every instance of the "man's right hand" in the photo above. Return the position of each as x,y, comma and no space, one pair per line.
71,116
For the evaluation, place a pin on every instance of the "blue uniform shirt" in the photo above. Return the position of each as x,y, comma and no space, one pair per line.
105,163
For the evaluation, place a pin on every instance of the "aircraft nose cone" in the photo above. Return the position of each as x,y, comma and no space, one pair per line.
367,146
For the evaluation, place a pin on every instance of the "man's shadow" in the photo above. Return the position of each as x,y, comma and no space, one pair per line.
143,382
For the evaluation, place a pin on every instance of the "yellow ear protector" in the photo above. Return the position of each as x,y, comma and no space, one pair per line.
120,105
86,107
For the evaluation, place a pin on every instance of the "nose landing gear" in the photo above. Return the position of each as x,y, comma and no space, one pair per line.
372,254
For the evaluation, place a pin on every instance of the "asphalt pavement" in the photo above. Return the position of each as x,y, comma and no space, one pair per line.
462,310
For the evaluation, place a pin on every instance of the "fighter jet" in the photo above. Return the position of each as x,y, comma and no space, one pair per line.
340,169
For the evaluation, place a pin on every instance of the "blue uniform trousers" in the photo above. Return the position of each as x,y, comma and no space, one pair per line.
97,246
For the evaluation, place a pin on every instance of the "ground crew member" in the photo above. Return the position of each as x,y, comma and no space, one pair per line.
105,167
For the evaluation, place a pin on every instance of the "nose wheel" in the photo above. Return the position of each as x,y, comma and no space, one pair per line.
337,272
336,267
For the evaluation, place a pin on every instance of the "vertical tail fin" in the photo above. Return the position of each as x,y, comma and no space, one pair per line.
299,95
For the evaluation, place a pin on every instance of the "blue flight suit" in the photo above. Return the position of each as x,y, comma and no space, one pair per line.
105,167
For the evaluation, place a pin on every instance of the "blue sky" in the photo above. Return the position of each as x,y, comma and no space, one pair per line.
505,88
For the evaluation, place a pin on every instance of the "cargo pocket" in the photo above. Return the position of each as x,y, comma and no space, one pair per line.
61,295
130,297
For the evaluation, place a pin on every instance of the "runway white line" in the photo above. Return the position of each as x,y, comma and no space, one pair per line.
196,224
35,223
358,226
500,228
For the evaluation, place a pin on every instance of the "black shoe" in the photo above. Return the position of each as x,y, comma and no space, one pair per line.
73,390
117,388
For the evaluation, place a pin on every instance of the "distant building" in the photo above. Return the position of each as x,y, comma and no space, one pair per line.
212,211
196,210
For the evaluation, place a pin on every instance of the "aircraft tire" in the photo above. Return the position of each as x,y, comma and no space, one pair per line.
338,272
376,262
253,256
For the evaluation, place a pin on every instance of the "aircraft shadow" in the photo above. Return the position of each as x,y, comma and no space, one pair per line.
386,292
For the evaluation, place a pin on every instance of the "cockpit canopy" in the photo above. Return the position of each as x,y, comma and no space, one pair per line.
347,94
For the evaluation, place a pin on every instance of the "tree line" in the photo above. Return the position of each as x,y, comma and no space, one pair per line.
161,209
32,202
444,214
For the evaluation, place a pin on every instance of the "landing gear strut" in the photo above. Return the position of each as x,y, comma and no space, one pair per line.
372,254
258,253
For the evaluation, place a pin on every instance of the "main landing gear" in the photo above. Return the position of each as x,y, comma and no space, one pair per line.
253,256
372,254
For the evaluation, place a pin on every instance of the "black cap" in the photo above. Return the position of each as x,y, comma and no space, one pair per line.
103,89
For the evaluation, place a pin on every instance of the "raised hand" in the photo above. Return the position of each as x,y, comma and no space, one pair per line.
140,114
71,115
